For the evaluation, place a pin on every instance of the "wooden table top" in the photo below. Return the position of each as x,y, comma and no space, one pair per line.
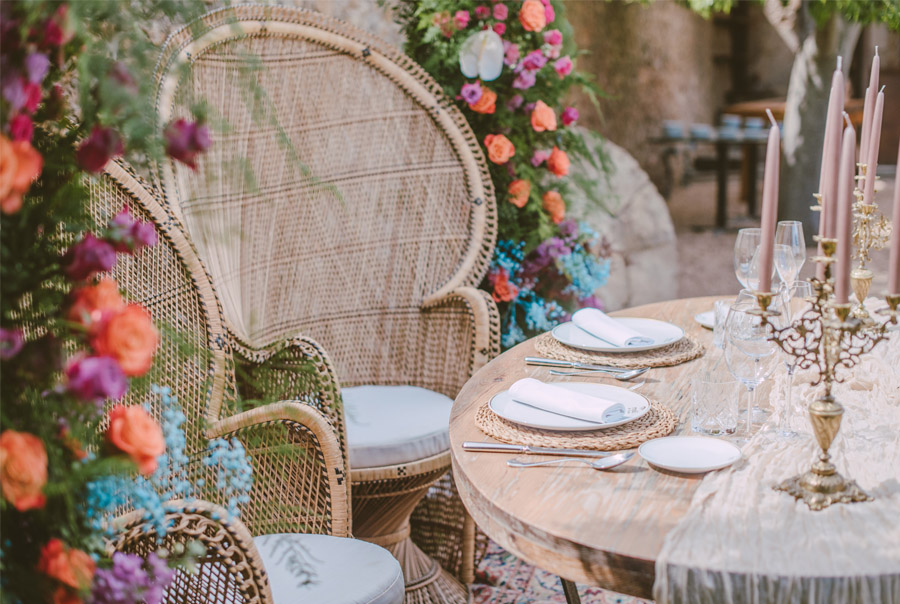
597,528
854,107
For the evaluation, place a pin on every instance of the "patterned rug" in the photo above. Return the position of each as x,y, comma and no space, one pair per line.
501,578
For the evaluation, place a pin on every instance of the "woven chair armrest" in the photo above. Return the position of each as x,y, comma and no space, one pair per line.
485,321
300,475
231,568
297,369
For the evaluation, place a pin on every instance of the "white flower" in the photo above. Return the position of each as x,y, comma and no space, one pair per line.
481,56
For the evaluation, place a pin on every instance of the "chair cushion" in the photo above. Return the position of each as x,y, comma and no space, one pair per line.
329,570
390,425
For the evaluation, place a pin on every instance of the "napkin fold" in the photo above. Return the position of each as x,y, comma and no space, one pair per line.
566,402
600,325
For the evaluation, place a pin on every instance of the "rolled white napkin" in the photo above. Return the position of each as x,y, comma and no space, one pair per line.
598,324
566,402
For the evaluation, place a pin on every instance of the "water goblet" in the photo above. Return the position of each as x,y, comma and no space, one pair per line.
746,257
790,250
796,297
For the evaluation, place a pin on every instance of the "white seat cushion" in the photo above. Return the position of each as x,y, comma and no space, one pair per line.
329,570
390,425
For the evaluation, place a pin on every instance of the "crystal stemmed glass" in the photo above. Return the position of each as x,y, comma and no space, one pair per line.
748,352
746,257
790,250
796,296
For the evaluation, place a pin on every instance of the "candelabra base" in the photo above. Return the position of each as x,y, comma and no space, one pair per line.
820,488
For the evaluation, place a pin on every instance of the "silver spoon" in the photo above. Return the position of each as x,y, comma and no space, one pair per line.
623,376
600,464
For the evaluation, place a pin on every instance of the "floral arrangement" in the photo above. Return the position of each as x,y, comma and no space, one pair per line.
509,65
74,84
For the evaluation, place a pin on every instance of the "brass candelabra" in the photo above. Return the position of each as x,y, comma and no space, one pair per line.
827,337
871,231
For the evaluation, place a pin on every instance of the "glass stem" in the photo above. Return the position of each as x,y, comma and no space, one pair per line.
751,397
785,424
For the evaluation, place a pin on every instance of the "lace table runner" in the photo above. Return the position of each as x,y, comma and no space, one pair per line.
766,547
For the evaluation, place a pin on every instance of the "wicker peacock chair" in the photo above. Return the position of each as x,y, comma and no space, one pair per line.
346,202
299,499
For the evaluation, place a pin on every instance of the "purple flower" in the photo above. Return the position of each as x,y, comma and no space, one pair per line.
534,60
14,91
88,256
510,53
482,12
563,66
96,379
569,116
515,102
131,580
129,235
524,80
471,92
102,145
185,140
592,301
539,157
568,229
36,66
11,342
500,12
545,254
553,37
528,108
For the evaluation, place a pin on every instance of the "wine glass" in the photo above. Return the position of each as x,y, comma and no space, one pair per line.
748,352
746,257
790,250
796,297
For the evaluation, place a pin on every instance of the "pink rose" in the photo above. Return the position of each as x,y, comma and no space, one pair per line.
461,19
129,235
186,140
97,149
549,13
524,80
563,66
33,94
500,12
569,116
482,12
511,53
539,157
21,128
553,37
499,28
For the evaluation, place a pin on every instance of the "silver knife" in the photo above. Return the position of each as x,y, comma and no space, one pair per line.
528,449
571,364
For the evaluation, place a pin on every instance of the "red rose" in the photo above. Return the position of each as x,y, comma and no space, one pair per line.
102,145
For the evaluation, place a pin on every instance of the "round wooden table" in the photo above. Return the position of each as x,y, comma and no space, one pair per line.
597,528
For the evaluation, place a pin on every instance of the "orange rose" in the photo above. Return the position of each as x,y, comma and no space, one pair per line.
65,596
23,469
487,103
72,567
132,431
532,15
555,206
20,164
543,118
129,337
519,190
92,301
558,162
504,291
500,149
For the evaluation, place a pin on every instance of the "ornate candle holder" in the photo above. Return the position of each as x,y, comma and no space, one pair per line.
871,231
826,337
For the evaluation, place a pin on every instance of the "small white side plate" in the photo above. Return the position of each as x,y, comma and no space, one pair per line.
661,332
689,454
635,406
706,319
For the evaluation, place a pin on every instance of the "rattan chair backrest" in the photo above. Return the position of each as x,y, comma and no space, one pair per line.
170,282
345,188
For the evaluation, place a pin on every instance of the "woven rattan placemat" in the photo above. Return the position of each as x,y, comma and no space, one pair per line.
685,349
659,421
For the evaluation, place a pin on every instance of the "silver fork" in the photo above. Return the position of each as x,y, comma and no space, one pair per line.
619,375
599,464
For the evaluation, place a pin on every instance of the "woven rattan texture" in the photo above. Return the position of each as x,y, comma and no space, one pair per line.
659,421
682,351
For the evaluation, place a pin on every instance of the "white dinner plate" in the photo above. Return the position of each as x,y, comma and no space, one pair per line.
660,332
635,406
689,454
706,319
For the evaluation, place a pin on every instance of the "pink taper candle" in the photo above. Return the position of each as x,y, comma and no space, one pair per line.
894,274
845,217
872,152
769,206
831,151
868,107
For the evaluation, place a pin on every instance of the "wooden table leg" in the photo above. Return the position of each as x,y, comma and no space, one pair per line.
570,590
752,159
721,184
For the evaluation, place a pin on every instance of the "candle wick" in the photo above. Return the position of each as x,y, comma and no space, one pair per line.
771,117
882,89
840,61
847,119
876,50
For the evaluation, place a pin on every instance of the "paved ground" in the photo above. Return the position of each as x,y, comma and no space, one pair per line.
705,256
